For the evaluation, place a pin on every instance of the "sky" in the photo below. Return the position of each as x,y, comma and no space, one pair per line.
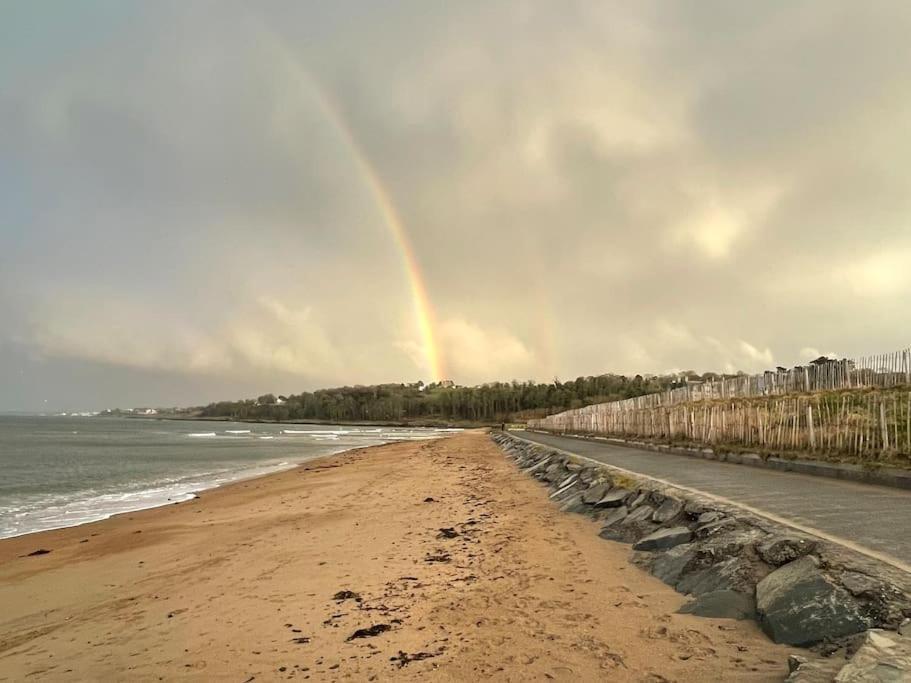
206,200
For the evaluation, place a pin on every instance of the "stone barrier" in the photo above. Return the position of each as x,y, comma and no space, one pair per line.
802,590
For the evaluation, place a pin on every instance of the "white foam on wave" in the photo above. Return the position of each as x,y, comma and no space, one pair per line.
265,437
83,507
237,431
202,434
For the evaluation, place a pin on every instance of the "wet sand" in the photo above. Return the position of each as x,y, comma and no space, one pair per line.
414,561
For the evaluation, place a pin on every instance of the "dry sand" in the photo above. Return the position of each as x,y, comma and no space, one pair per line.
238,585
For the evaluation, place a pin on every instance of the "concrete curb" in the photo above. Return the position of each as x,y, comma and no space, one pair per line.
883,476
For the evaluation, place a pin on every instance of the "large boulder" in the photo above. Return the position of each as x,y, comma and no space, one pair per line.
709,517
804,670
612,499
573,503
780,549
634,526
664,539
670,509
615,516
588,475
670,566
799,605
726,544
595,493
736,574
568,481
883,656
721,604
641,499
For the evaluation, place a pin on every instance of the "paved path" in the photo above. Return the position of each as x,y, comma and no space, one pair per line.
871,517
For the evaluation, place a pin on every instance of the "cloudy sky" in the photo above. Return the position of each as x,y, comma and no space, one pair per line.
204,200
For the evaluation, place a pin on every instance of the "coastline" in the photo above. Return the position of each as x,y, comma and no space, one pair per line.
189,458
418,424
464,560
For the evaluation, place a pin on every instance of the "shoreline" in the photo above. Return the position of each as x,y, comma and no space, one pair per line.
421,424
99,502
195,493
185,497
399,561
192,495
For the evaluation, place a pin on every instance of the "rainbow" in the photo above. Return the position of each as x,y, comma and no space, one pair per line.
423,311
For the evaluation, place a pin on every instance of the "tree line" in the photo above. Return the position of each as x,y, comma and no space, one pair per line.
488,403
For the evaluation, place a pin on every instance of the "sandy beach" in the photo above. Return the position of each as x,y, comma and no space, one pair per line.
412,561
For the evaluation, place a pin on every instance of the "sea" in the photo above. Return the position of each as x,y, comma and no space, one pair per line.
63,471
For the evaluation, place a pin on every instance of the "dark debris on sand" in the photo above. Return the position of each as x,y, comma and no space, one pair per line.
403,659
346,595
369,632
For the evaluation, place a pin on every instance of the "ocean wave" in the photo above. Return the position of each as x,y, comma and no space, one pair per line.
202,434
237,431
82,507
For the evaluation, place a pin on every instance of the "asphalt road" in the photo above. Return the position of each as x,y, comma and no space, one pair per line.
876,518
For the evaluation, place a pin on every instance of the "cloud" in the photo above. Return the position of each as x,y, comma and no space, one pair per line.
473,351
267,336
591,187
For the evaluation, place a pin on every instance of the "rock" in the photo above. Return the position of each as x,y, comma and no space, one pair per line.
595,493
860,584
586,476
693,508
634,526
641,499
716,527
614,516
799,605
905,628
537,466
670,566
574,467
656,498
794,662
781,549
816,671
573,503
568,491
670,508
725,545
883,656
721,604
664,539
640,514
612,499
709,517
568,481
736,573
554,473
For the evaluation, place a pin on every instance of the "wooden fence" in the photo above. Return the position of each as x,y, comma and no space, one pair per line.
859,407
